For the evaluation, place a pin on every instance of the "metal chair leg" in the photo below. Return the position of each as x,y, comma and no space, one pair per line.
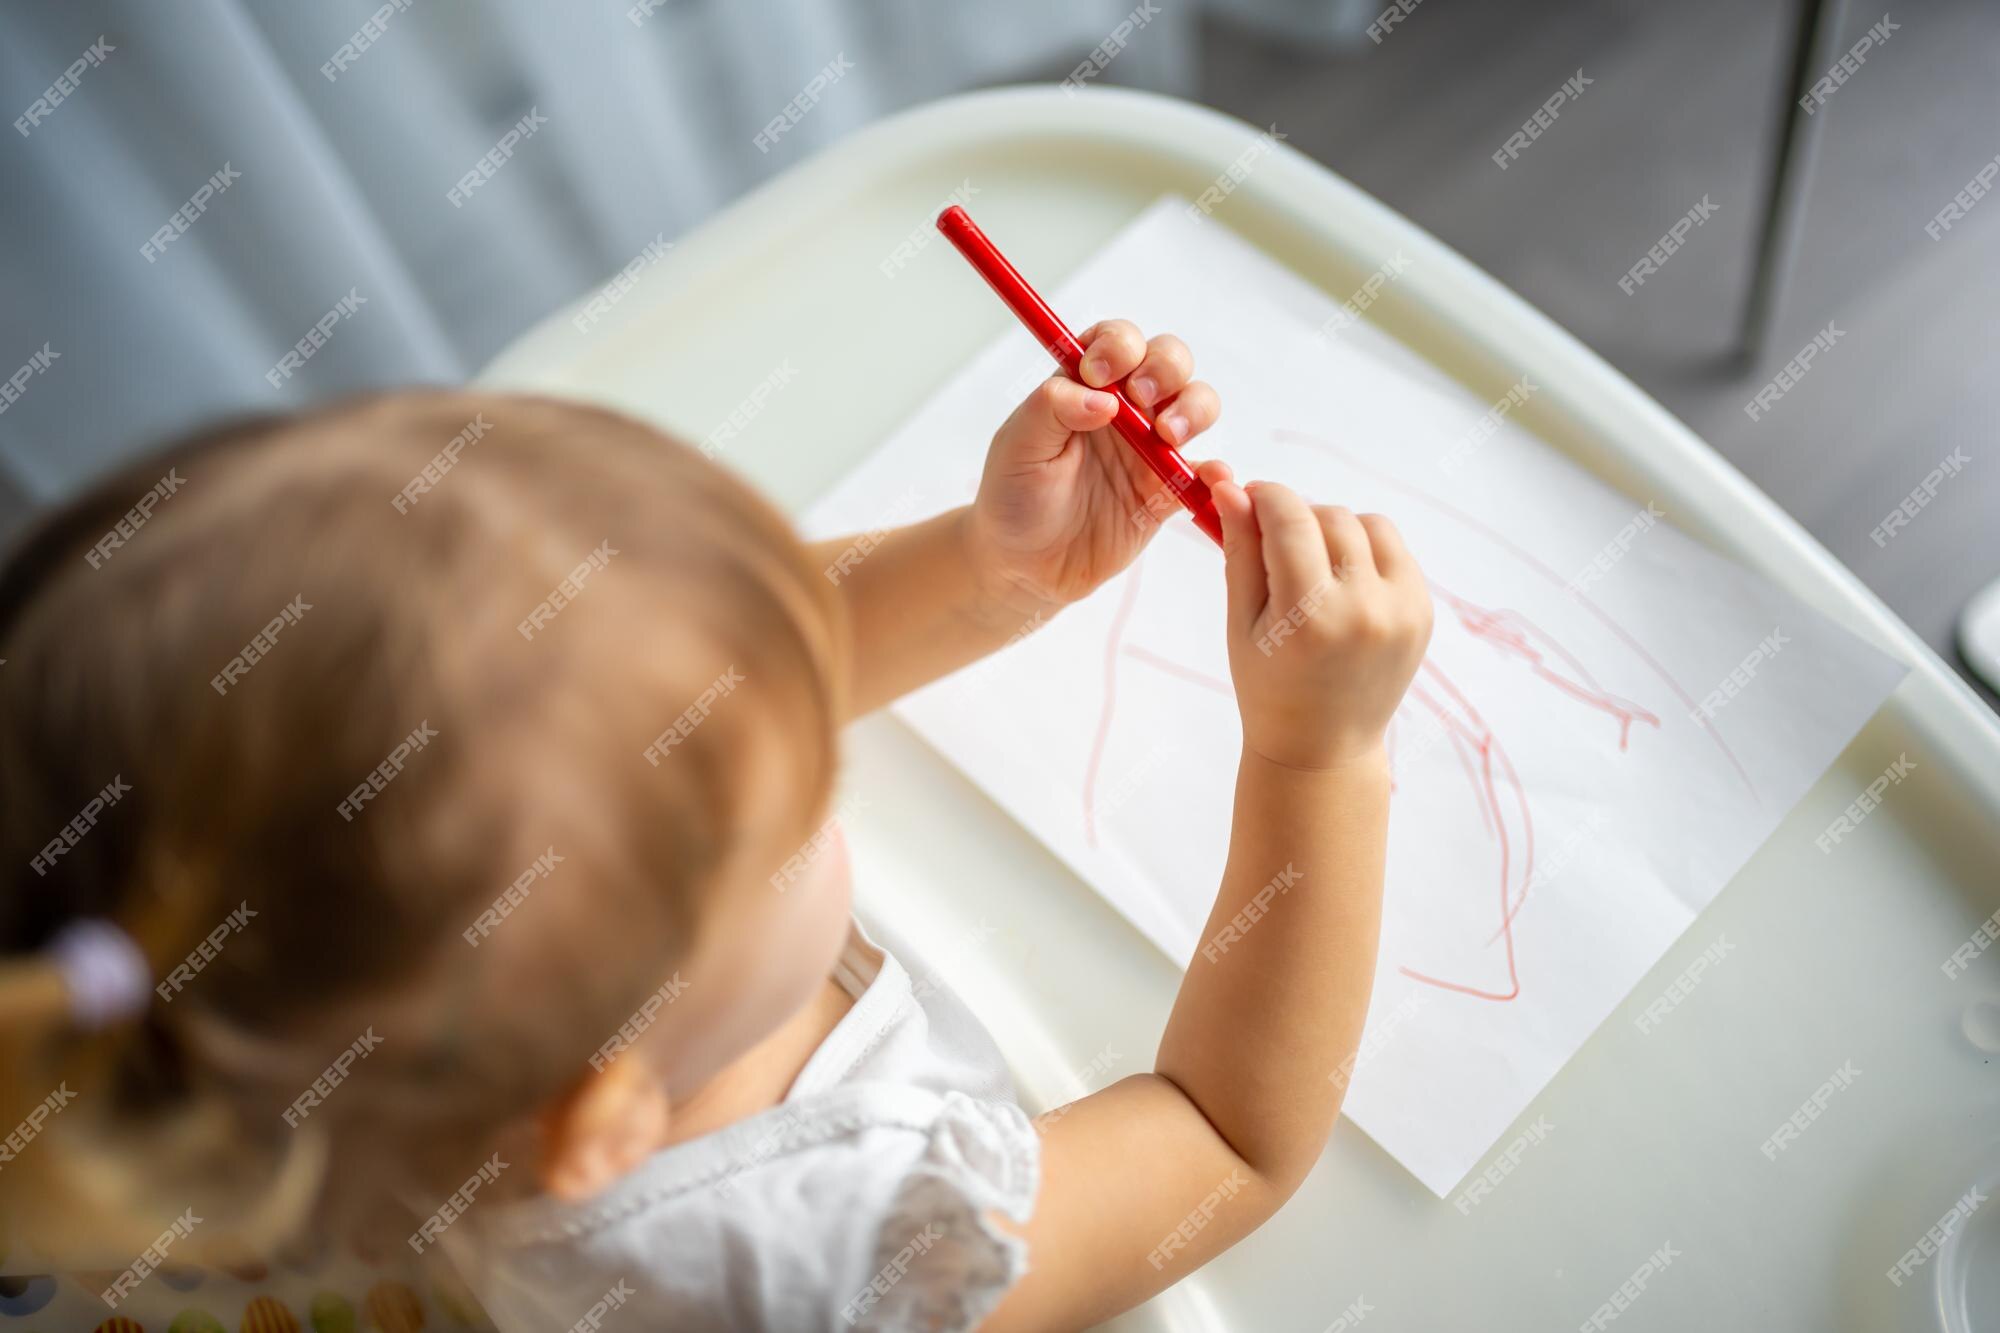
1813,50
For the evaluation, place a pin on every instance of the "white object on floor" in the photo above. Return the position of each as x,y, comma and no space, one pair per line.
1979,634
1609,721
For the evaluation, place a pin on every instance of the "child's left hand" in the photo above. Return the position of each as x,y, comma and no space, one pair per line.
1064,502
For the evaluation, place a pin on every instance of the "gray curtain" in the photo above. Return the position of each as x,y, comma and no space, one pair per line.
308,202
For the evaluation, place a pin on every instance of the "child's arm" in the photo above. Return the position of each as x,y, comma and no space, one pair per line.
1063,505
1150,1178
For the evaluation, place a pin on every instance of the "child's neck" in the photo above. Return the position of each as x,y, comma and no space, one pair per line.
762,1075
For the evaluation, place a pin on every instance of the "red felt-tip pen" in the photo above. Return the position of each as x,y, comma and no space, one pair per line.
1055,338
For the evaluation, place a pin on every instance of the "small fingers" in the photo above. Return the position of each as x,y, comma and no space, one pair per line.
1168,366
1189,413
1074,407
1392,557
1401,578
1294,545
1112,349
1346,540
1242,549
1040,427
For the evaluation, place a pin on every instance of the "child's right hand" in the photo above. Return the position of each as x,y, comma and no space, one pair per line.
1328,618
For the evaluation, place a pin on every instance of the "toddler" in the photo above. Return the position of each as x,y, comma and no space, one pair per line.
427,852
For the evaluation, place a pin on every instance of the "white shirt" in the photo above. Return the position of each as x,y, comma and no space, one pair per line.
859,1202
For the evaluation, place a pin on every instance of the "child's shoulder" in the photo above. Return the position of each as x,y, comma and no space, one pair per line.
869,1188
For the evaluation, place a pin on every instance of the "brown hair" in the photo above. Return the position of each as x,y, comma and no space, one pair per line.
354,619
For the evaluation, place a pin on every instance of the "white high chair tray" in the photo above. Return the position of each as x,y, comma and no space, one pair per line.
1652,1138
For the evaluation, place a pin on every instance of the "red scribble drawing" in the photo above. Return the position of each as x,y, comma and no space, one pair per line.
1514,633
1126,602
1535,565
1497,790
1487,768
1437,711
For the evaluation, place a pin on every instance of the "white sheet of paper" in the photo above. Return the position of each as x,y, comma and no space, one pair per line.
1560,813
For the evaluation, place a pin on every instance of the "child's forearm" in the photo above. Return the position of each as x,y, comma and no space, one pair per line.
1275,996
918,608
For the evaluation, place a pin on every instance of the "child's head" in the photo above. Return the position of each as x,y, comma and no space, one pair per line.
363,710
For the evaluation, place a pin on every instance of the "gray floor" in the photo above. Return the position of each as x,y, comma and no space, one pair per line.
1684,103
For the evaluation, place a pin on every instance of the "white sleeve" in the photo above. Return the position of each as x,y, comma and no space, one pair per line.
938,1261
